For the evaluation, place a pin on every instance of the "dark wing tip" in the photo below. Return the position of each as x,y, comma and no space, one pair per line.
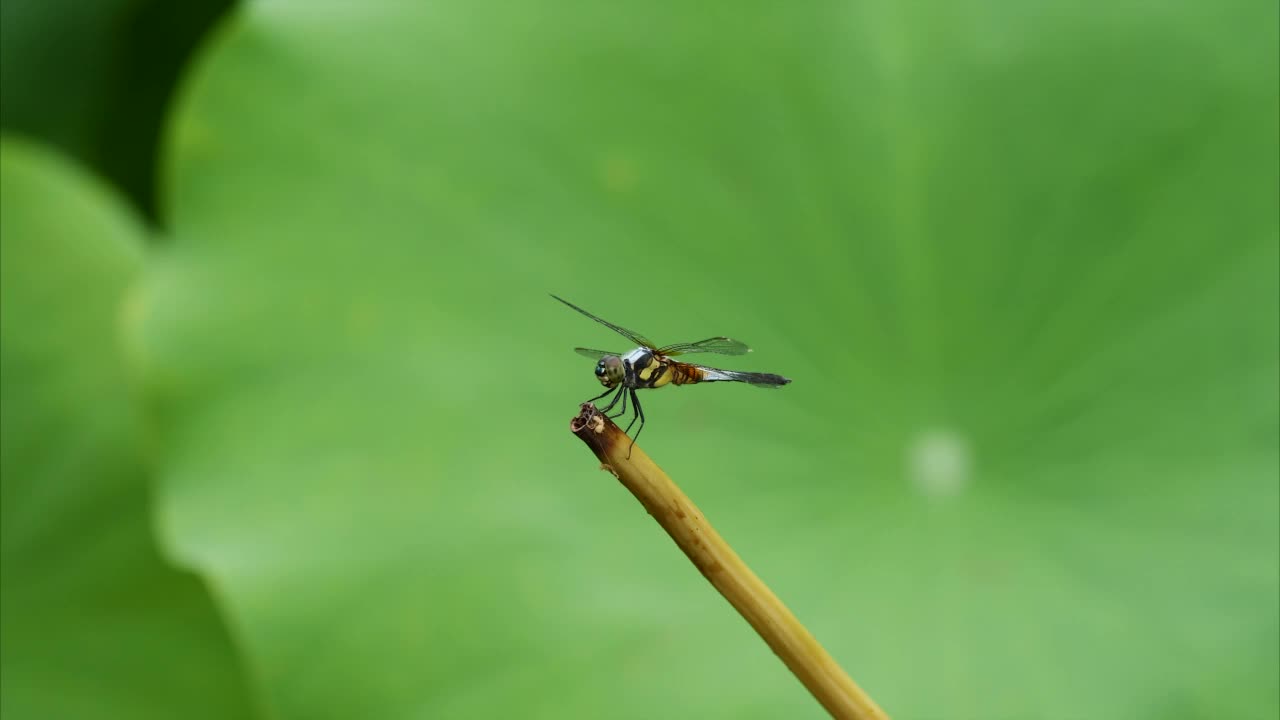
768,380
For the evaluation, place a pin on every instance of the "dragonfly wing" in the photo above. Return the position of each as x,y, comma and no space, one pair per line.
593,354
717,345
768,380
633,337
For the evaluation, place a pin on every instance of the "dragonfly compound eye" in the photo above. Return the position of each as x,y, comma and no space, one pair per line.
609,371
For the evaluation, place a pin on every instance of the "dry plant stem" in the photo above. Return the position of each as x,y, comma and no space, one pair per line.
721,565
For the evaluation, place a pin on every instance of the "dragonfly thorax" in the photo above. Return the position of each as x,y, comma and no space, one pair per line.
609,371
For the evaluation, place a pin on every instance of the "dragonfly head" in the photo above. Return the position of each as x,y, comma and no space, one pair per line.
609,370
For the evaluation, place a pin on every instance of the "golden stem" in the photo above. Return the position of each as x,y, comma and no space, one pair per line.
717,562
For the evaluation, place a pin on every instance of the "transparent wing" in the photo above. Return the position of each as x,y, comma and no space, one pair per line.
633,337
717,345
593,354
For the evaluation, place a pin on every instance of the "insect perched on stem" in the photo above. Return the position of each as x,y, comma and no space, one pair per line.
649,366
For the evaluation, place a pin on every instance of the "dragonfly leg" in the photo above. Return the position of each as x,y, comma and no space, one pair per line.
623,411
635,401
605,410
635,413
606,392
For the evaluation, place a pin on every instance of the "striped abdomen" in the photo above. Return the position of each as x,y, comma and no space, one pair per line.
685,374
654,371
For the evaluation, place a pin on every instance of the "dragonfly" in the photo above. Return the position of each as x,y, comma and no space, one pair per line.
649,366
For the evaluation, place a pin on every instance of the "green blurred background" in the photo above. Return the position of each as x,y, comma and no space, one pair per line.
285,402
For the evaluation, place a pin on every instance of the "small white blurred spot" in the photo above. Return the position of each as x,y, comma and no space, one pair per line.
939,463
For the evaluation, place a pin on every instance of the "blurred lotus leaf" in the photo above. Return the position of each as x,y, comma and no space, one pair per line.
95,79
95,623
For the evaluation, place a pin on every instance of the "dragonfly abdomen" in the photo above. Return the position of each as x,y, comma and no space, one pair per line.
662,371
685,374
